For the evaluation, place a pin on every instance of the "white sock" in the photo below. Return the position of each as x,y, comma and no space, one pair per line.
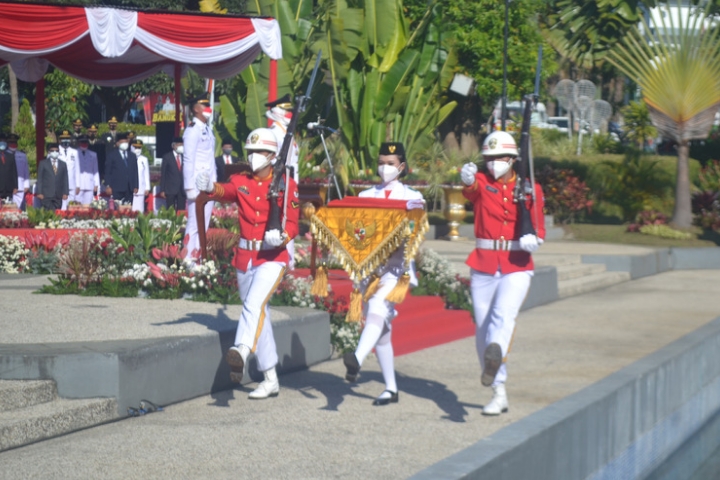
386,359
368,339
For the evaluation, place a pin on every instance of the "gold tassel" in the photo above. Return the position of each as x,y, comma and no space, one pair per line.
355,310
397,295
320,283
372,287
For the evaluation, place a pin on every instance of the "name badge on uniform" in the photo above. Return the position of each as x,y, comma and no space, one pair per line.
244,189
492,189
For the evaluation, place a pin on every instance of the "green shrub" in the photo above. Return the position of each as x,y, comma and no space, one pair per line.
665,231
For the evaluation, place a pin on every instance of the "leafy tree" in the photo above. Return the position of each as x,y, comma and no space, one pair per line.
65,100
638,123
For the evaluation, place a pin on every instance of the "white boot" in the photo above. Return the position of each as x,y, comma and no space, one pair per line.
237,358
499,402
270,387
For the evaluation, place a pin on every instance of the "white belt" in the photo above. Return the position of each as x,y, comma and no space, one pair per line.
254,245
487,244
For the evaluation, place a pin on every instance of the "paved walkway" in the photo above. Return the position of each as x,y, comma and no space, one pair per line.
322,427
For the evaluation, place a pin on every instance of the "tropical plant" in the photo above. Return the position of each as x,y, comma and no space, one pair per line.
638,124
65,100
566,196
677,67
709,177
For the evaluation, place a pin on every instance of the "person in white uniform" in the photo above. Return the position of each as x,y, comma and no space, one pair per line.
87,176
380,312
198,157
280,114
68,155
143,177
23,170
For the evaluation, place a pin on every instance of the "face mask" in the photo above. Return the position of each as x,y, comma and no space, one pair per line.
388,173
12,147
83,146
54,155
227,151
498,168
3,145
65,143
179,149
258,161
207,112
137,151
123,146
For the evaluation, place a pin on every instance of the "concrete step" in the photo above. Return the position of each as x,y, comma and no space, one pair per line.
589,283
567,272
16,394
555,260
39,422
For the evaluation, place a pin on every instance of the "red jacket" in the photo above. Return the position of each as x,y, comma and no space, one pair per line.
250,193
495,219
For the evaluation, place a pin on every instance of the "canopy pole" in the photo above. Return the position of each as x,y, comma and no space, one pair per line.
178,89
272,84
39,120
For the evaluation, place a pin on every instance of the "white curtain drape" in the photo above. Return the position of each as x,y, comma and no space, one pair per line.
112,31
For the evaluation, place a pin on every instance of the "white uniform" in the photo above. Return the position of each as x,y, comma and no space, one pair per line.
143,183
87,178
23,170
379,312
198,156
69,155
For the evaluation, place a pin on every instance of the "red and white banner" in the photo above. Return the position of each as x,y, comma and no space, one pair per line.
113,47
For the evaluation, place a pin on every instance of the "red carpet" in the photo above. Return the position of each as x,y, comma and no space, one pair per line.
422,321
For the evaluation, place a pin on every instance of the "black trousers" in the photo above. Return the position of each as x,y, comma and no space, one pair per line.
52,203
176,200
125,197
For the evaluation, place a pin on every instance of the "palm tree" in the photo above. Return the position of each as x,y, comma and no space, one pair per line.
677,67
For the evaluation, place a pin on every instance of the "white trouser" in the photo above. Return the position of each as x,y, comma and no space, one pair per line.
377,305
254,330
192,240
291,252
496,301
85,197
138,203
19,197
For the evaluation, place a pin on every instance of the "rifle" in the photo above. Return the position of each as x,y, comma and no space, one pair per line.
279,168
525,186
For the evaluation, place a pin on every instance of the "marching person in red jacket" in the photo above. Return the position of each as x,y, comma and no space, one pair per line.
501,264
260,257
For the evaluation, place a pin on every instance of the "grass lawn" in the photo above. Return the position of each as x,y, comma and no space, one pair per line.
618,234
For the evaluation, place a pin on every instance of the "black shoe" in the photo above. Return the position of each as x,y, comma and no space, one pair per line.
393,398
352,365
493,360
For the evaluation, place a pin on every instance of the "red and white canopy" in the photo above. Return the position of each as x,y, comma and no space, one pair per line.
114,47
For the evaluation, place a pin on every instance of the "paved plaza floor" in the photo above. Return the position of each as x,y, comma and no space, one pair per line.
322,427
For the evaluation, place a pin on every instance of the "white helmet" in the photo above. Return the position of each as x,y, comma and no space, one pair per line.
499,143
262,139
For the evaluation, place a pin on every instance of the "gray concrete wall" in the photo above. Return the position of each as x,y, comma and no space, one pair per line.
624,426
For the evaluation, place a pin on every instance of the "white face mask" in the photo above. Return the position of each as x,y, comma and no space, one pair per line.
179,149
137,151
123,146
54,155
388,173
207,113
258,161
498,168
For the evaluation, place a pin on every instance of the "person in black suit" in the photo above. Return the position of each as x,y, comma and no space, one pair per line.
8,171
121,171
52,179
226,158
172,187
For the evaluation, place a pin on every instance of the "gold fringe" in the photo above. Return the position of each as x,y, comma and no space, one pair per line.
372,287
320,283
397,295
355,310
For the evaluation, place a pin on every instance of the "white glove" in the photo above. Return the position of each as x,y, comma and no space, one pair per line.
203,183
467,174
529,242
274,238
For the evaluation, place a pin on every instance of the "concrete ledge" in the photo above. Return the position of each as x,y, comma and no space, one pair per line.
637,265
162,370
543,288
695,258
624,426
